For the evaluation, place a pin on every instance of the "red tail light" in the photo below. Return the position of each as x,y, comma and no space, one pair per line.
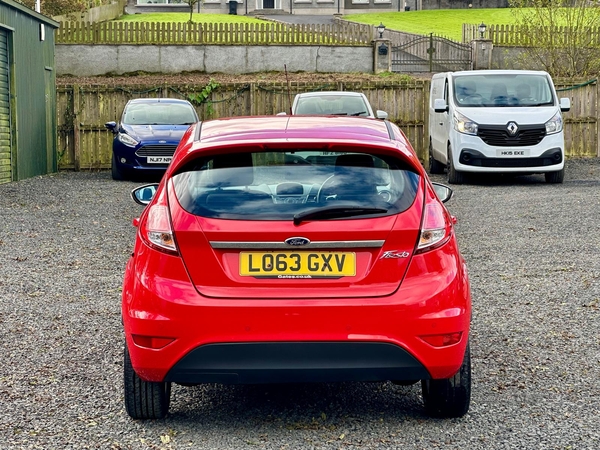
156,229
435,230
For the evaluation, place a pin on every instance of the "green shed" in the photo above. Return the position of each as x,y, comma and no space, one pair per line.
27,93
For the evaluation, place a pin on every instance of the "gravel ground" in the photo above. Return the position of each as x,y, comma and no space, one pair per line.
532,251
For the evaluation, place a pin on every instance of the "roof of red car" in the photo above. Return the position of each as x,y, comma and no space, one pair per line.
294,127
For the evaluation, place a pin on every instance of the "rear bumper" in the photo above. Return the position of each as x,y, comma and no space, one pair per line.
241,340
285,362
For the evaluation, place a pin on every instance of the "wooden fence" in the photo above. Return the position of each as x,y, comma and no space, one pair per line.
520,36
184,33
85,144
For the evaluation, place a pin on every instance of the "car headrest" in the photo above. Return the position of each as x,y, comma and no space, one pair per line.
239,170
354,160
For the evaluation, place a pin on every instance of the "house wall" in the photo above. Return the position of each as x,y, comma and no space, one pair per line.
316,7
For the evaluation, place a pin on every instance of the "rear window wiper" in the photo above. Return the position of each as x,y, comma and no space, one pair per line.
335,212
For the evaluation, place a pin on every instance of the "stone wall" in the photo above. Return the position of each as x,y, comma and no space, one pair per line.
91,60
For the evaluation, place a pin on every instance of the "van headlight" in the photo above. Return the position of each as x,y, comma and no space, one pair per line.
127,140
464,125
554,125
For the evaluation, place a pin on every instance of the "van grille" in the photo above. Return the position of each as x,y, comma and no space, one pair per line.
156,150
497,135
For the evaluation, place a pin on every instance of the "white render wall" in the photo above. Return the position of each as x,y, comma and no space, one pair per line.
91,60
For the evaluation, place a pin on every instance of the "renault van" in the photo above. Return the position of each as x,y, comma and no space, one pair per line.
500,121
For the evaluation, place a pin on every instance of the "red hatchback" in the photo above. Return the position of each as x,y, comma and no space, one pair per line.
295,249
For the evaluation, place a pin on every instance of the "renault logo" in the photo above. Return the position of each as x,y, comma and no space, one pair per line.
512,128
297,241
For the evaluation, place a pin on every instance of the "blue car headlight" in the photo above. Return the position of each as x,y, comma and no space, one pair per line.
127,140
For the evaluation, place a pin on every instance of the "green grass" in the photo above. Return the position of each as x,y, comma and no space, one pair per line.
445,22
184,17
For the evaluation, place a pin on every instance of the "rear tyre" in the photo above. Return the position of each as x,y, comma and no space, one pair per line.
144,399
454,176
449,397
555,177
117,175
435,167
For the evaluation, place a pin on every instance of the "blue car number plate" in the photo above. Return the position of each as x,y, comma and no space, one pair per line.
159,159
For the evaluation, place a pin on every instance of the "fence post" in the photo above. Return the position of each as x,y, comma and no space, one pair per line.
76,136
382,55
482,53
597,114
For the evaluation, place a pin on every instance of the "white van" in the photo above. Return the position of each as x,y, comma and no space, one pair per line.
501,121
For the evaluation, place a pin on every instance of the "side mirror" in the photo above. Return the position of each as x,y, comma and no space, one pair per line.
565,104
443,192
112,126
381,114
144,194
281,114
440,105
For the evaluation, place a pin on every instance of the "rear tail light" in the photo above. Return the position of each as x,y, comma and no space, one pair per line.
152,342
156,228
443,340
435,230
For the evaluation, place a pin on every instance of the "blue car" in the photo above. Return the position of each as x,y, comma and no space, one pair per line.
148,134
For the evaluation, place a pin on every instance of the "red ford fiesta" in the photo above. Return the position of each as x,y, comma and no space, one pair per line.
295,249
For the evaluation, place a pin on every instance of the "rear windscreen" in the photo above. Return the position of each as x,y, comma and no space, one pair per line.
277,185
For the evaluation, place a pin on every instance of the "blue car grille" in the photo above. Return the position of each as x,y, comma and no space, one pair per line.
156,150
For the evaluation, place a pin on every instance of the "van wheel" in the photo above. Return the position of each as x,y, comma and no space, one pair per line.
144,399
435,167
449,397
555,177
454,176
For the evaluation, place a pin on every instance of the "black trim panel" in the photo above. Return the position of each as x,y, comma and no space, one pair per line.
470,157
296,362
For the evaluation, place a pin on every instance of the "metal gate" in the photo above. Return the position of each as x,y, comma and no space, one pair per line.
431,54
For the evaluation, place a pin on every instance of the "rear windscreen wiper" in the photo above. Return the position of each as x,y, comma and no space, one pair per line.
335,212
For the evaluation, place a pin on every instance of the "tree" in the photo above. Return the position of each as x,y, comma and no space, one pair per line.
57,7
560,35
191,4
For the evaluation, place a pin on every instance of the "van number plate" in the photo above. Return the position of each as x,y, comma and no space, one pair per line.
518,153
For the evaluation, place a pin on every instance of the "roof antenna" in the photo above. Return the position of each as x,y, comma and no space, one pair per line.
288,88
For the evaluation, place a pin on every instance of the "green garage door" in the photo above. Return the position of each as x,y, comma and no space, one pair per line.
5,126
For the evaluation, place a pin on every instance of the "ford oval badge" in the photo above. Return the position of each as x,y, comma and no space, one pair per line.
297,241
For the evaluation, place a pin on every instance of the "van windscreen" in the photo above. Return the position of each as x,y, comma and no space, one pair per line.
523,90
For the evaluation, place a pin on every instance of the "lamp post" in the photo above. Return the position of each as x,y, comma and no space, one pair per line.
380,29
482,29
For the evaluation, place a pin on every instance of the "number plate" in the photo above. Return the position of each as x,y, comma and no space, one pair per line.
297,264
159,159
503,153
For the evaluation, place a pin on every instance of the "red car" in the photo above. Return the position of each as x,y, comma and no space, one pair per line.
295,249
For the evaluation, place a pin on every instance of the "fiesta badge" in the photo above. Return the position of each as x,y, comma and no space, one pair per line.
297,241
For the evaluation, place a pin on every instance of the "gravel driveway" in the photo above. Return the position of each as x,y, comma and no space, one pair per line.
533,255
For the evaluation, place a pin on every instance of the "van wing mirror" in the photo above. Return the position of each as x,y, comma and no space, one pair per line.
565,104
440,105
381,114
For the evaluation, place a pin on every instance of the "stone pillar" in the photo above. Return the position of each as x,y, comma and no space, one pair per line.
482,53
382,55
